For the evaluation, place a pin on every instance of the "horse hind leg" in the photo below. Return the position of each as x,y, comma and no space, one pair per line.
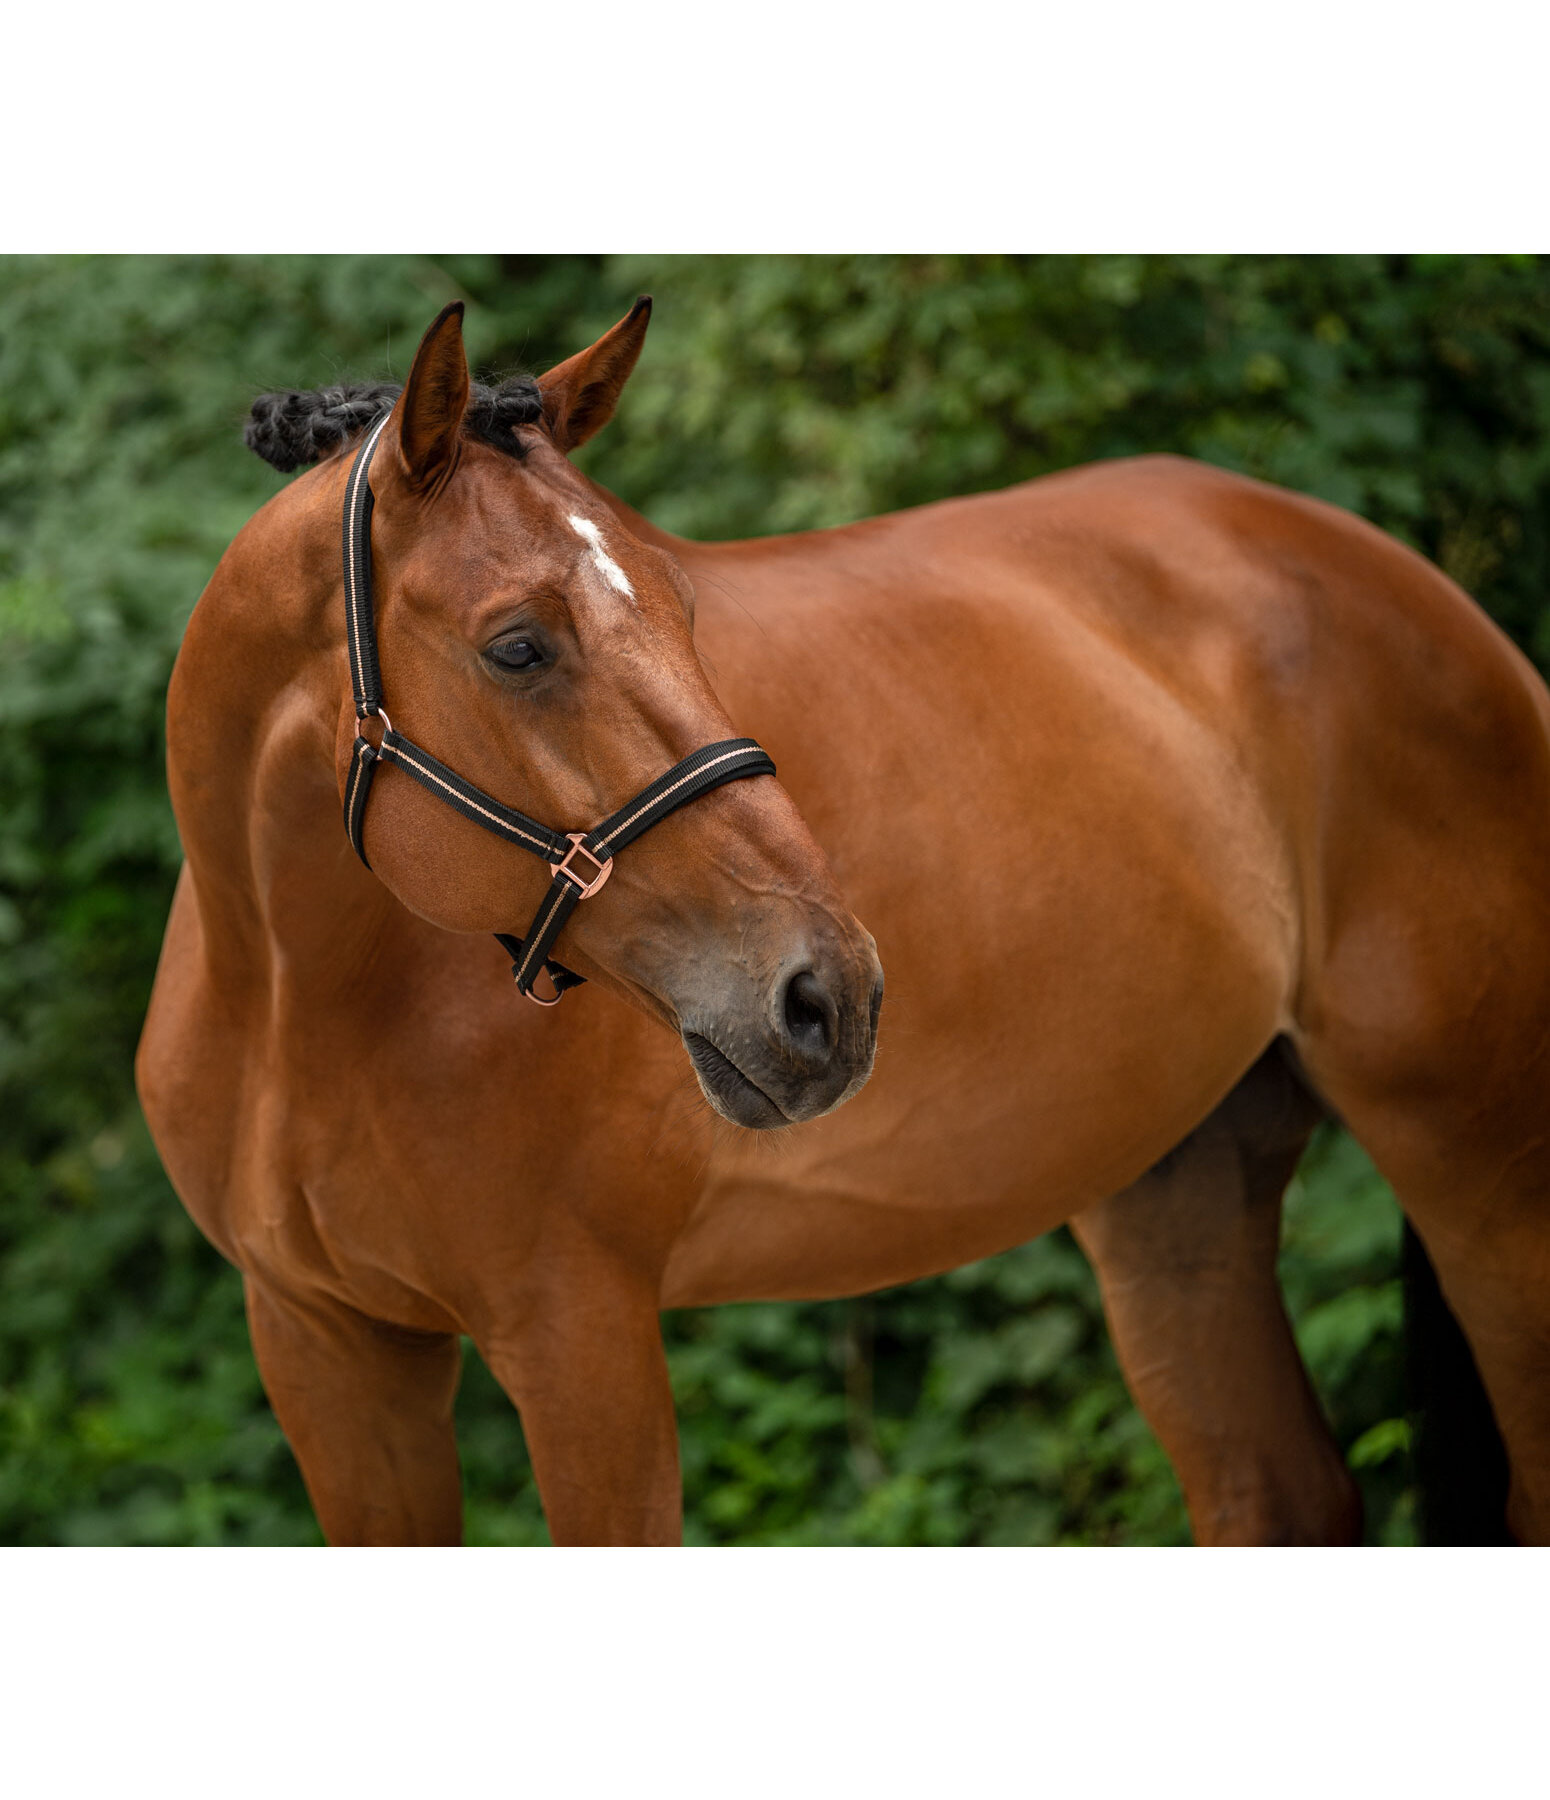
1500,1292
1477,1194
1186,1260
1469,1162
1439,1063
1458,1459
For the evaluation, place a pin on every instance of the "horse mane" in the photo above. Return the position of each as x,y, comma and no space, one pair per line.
289,429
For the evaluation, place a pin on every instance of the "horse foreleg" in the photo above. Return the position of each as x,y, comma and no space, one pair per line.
367,1408
585,1367
1186,1259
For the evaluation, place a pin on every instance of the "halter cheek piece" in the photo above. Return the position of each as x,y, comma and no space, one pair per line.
582,860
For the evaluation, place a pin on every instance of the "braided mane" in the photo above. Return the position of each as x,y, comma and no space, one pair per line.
290,429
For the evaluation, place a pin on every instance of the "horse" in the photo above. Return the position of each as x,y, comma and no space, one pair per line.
1182,812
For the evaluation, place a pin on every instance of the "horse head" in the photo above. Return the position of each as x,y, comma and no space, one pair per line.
532,639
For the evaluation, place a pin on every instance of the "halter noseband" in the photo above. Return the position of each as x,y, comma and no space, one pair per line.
734,760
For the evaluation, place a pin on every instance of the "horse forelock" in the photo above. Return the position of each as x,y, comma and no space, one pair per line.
292,428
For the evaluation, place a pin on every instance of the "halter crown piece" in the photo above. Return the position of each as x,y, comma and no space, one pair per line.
734,760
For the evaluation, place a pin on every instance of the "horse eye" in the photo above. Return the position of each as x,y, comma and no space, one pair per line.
516,653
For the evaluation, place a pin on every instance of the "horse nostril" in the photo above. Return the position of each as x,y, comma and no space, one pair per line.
810,1014
877,1002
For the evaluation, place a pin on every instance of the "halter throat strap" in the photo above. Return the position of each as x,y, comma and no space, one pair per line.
581,861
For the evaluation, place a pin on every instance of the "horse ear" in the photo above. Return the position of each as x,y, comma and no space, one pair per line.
580,394
435,397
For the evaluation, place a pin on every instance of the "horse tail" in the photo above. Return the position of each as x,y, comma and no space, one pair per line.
1458,1460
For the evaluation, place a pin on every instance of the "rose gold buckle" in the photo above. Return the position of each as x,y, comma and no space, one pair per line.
605,868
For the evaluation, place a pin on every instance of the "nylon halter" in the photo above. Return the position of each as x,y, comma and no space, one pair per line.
734,760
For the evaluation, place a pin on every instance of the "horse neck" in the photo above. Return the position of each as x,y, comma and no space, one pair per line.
252,720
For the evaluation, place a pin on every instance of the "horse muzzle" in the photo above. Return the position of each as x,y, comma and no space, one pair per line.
803,1049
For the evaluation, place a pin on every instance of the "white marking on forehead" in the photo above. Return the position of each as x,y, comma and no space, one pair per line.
601,560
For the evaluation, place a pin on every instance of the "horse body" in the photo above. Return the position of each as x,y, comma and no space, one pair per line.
1163,793
1064,863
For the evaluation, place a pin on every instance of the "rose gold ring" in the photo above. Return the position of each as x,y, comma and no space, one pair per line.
538,999
387,726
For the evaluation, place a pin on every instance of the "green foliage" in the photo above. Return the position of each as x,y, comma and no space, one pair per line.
799,392
776,394
983,1407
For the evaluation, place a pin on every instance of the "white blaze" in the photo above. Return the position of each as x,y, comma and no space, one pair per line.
601,560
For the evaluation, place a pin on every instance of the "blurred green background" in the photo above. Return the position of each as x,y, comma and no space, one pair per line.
775,394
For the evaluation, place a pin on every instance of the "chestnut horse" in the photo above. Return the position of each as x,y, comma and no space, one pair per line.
1185,810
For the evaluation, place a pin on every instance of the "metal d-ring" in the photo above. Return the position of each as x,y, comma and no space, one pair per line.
387,725
537,998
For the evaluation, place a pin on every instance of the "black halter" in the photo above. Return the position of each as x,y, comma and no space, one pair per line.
733,760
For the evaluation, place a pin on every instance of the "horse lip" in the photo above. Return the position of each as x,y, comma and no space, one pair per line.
715,1069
